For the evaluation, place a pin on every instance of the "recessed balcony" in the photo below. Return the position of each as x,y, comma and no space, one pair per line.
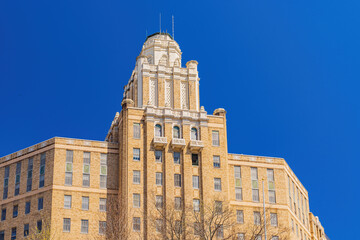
160,142
178,143
196,145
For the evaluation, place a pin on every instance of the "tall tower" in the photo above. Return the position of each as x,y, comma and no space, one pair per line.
165,138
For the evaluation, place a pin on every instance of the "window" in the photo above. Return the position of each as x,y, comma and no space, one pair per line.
136,177
27,207
6,182
292,225
217,184
26,230
257,218
159,201
158,156
159,225
103,170
239,216
136,200
196,205
258,237
197,228
195,159
13,233
136,224
218,207
39,225
67,201
102,227
240,236
102,204
176,132
3,214
84,226
2,235
195,180
255,184
159,179
158,130
42,170
40,203
271,185
178,227
177,180
215,138
15,211
85,203
136,130
29,175
238,194
177,203
177,157
17,179
220,232
194,134
69,167
66,224
216,160
273,219
136,154
275,238
86,169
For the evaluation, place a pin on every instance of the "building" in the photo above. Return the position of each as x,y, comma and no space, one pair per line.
162,148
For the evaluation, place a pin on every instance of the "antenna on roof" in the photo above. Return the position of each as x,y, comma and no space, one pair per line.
173,27
160,23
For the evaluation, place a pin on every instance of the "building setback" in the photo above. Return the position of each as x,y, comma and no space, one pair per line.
163,150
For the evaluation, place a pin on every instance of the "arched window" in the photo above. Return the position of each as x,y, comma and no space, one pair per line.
194,134
176,132
158,130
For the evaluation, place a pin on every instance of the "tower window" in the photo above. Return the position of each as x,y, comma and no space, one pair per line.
176,132
158,130
194,134
215,138
195,159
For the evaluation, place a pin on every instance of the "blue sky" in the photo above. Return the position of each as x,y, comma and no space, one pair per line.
287,72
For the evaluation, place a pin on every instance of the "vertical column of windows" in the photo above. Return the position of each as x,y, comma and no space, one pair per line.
255,184
86,169
17,179
136,177
238,184
29,175
27,207
271,185
216,161
136,224
6,182
69,167
42,170
103,170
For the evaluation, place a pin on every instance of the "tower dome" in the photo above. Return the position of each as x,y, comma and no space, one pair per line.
161,49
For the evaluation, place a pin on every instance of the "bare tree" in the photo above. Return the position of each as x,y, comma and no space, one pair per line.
168,221
213,221
114,223
44,233
273,229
